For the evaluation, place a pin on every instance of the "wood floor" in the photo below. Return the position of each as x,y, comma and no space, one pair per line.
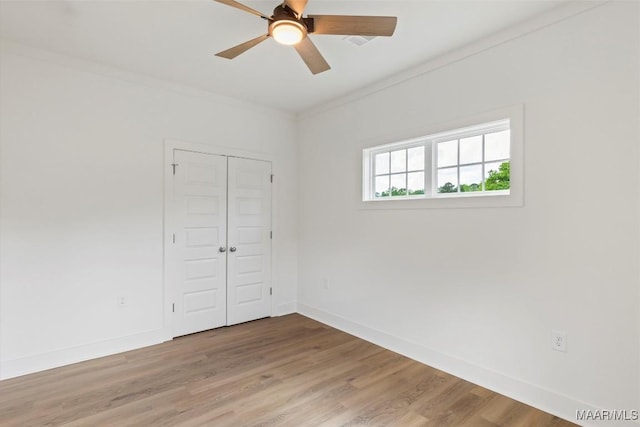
284,371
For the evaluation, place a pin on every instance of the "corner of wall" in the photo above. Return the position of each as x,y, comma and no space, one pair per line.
286,308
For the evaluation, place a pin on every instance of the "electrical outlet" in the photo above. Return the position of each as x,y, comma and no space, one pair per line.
121,301
559,341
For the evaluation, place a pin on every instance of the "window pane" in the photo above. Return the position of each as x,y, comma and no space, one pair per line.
382,163
415,183
399,185
447,153
399,161
416,158
382,186
497,145
471,178
471,150
448,180
497,176
491,167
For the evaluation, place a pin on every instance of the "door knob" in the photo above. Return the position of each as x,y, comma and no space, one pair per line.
232,249
222,249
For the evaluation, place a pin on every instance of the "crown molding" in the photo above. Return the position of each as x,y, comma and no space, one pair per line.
14,48
529,26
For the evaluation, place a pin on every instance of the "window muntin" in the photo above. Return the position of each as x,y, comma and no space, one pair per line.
470,161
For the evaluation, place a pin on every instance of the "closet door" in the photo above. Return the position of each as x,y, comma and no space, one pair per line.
249,240
198,272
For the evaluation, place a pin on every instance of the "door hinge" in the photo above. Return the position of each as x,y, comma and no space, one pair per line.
174,238
173,307
270,291
271,234
173,165
272,178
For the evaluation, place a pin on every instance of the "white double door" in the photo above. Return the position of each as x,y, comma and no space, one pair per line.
221,250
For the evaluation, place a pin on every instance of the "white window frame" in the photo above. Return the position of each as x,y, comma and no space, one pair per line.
477,125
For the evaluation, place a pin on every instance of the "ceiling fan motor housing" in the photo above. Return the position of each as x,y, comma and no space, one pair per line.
284,12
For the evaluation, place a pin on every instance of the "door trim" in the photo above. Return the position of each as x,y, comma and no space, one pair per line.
167,220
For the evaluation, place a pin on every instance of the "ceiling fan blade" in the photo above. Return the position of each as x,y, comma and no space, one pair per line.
242,47
240,6
296,5
354,25
311,56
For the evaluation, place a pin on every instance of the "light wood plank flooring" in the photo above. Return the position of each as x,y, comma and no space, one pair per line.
284,371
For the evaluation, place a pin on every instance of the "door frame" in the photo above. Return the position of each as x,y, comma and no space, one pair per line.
168,228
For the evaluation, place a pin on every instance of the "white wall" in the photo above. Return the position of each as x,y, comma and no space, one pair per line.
477,292
81,218
473,291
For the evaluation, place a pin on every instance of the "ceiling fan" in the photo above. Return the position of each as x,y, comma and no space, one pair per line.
287,26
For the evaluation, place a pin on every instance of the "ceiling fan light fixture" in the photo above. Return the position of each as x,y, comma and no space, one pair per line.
288,26
287,32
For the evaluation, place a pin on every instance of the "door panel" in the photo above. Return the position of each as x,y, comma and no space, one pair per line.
249,228
200,206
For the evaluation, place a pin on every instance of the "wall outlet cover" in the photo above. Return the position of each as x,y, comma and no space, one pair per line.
559,340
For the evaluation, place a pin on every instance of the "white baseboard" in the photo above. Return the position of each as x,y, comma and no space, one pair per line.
547,400
286,308
67,356
54,359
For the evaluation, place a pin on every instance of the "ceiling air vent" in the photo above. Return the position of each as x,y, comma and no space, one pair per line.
359,40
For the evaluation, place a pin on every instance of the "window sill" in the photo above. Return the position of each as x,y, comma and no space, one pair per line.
469,200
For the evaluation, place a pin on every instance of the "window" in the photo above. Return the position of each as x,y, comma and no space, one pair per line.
469,161
474,163
400,172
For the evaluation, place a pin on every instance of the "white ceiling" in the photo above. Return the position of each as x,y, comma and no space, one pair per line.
176,41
